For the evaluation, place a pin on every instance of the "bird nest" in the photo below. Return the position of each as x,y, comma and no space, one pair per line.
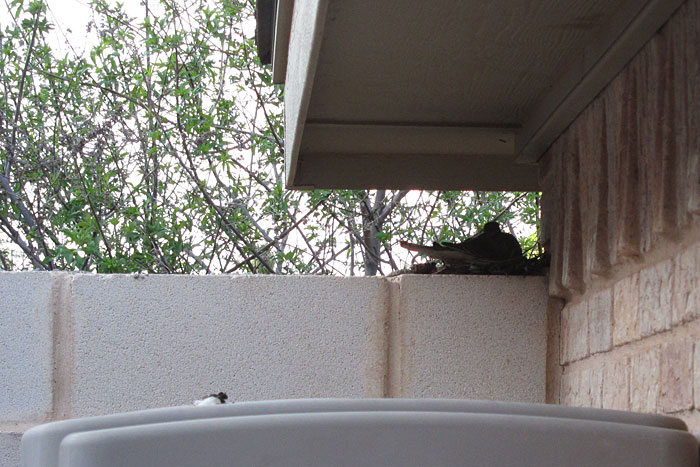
491,251
522,266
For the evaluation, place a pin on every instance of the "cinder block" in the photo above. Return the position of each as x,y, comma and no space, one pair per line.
595,213
573,247
9,449
166,340
686,285
591,388
570,387
554,369
616,382
693,422
626,310
600,321
574,332
655,289
481,337
564,339
676,385
26,346
696,375
644,380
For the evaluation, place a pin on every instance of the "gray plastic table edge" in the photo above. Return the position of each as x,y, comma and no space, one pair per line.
399,438
40,444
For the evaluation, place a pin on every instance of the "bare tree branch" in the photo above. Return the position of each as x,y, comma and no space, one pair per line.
282,234
15,236
20,96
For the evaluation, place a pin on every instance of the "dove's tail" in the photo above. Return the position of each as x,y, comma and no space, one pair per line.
448,255
422,249
409,245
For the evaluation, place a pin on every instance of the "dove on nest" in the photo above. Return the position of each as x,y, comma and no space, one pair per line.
489,246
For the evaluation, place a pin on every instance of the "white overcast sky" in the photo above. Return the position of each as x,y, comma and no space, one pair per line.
71,17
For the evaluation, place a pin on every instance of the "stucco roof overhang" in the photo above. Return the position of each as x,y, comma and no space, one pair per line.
443,94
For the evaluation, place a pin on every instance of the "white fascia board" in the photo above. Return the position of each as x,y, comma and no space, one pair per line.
365,139
618,43
280,43
308,20
369,156
414,171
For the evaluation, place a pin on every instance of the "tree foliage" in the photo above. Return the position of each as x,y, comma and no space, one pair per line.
159,148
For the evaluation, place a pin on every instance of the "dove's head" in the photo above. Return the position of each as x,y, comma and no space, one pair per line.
492,227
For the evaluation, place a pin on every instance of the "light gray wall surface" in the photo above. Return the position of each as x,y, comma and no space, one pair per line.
26,346
82,344
469,336
169,339
9,449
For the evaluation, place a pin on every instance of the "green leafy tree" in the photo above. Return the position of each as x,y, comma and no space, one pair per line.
160,149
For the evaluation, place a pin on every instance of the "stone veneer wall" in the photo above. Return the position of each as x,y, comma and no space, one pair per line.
622,218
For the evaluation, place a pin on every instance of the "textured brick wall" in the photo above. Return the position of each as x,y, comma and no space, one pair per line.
622,219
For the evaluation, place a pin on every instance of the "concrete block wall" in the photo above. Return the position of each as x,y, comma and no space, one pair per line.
621,211
9,448
495,350
25,350
262,337
75,345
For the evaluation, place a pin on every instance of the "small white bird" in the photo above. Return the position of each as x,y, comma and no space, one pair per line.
212,399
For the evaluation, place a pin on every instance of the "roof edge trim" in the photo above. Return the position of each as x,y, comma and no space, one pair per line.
596,68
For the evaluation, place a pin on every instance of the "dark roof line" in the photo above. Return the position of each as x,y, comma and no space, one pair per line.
265,29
